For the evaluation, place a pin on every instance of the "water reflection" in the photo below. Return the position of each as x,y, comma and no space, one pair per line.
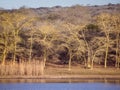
59,86
104,80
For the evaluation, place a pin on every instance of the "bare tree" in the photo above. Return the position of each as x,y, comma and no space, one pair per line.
104,21
48,33
71,41
109,23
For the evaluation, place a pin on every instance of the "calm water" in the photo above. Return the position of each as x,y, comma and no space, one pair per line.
59,84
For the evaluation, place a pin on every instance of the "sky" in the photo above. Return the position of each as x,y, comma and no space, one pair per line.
15,4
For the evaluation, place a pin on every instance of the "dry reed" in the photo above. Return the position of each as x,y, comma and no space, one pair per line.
33,68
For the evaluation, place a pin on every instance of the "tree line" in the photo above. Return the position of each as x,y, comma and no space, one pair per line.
25,38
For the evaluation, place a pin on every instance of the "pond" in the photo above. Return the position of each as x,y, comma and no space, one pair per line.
59,84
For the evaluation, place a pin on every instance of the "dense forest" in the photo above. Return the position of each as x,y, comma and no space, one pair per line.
83,35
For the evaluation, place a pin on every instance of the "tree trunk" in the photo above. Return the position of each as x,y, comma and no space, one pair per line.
117,47
93,60
118,62
5,51
70,58
15,44
14,56
106,53
85,61
31,41
44,58
4,56
89,59
88,49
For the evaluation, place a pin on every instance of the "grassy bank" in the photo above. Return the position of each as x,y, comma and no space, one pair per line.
82,71
35,70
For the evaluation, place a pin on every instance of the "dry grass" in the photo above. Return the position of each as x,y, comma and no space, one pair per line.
33,68
78,70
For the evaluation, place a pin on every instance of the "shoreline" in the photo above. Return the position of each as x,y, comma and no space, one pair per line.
63,77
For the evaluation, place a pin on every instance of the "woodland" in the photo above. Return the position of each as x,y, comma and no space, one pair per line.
33,38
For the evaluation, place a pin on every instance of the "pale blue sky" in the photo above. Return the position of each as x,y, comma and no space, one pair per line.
12,4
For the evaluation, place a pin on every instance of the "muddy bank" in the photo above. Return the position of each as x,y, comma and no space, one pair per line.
62,77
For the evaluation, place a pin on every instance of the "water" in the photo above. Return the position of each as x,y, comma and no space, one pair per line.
59,84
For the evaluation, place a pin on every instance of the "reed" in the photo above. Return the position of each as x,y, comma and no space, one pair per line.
33,68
